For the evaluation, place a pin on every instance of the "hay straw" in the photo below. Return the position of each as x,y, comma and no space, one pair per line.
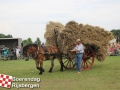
67,35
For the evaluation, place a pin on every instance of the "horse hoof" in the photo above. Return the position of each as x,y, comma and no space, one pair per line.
50,71
61,70
26,59
40,73
43,70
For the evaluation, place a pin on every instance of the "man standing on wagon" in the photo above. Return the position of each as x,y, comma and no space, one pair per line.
79,49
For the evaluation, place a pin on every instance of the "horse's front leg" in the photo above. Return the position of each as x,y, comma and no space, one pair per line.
61,62
37,65
40,68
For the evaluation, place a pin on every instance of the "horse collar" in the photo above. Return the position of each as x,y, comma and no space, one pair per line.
37,52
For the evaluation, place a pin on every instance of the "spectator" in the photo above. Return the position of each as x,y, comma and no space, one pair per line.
118,46
42,44
17,53
21,52
116,50
109,50
5,54
13,51
112,49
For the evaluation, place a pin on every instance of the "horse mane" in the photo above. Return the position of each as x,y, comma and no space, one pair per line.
25,48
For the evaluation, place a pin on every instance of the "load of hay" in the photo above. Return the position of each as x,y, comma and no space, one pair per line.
49,34
67,35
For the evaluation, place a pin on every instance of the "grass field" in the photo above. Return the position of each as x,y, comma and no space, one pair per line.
103,75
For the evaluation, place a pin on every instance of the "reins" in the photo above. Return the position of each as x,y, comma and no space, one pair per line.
48,50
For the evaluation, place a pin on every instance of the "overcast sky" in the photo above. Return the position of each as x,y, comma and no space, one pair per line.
28,18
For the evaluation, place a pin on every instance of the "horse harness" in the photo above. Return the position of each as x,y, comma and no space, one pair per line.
47,53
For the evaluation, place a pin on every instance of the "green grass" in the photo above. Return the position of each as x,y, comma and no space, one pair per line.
103,75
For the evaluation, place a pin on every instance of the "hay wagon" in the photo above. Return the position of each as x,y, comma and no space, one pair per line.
87,60
94,38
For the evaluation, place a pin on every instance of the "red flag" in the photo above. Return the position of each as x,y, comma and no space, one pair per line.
5,80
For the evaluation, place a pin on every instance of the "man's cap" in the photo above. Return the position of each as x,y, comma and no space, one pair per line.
78,40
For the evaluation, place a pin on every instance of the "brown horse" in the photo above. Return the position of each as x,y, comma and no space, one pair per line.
40,53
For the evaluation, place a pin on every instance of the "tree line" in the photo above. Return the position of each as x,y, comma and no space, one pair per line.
5,36
116,33
25,42
29,41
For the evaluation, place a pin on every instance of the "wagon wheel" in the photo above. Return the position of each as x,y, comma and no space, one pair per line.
68,62
88,59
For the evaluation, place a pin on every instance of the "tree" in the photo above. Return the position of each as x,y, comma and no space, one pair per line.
8,36
116,33
24,42
29,41
38,41
5,36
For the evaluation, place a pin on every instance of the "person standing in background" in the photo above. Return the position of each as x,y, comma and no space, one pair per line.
5,54
21,52
17,53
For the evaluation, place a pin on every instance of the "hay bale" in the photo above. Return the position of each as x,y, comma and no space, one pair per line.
68,36
98,37
49,34
92,35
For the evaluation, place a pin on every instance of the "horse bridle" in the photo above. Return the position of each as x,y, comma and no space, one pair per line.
32,53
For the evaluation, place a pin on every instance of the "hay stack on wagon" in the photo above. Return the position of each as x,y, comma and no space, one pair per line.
90,35
49,34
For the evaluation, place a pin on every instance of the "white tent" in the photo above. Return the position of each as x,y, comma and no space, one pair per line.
112,41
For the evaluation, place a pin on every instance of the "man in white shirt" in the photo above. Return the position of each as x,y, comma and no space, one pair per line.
79,49
17,53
